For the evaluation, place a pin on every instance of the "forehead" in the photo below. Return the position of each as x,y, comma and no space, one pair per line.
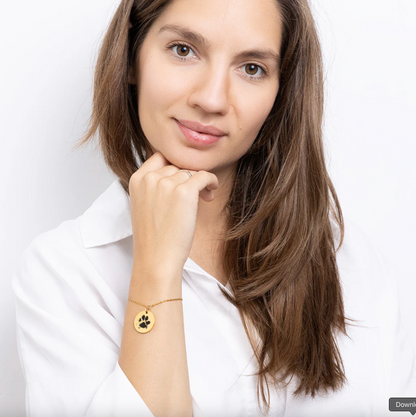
236,22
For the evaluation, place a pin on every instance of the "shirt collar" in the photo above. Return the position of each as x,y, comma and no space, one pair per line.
108,219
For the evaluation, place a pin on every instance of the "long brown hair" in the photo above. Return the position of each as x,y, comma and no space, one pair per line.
284,215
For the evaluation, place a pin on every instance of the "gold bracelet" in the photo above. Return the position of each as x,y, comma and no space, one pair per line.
145,320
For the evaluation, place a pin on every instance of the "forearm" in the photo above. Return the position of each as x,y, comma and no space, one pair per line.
155,362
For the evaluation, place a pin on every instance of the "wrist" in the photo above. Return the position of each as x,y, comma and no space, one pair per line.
155,284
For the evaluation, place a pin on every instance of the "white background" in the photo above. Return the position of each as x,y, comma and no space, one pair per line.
48,50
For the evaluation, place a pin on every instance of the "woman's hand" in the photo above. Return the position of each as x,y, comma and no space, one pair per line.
163,208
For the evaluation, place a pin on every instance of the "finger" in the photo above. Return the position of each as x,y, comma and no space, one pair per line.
201,180
156,162
207,195
182,175
170,170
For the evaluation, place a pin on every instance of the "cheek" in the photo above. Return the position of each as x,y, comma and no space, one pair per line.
160,87
150,86
252,111
156,93
253,114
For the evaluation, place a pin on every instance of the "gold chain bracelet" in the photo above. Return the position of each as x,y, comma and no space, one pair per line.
145,320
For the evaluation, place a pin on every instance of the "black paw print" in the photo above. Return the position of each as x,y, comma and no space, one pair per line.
144,321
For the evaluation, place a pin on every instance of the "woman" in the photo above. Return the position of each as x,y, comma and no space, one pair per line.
220,245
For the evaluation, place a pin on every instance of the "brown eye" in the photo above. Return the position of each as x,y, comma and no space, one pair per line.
252,69
182,50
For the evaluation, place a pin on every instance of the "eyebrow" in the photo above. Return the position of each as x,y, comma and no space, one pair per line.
198,38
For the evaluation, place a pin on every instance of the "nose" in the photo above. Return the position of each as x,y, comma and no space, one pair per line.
211,90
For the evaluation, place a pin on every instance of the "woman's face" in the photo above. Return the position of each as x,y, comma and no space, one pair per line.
223,73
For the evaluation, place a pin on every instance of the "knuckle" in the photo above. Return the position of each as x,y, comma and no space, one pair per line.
166,183
150,177
182,191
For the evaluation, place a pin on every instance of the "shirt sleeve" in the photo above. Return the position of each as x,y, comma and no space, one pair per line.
68,357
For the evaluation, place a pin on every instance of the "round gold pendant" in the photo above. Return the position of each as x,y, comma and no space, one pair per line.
144,321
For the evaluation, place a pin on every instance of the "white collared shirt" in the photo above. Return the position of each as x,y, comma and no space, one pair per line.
71,289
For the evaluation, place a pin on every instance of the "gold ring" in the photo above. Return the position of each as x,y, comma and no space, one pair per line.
185,170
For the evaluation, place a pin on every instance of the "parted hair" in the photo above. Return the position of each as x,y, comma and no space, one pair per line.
285,222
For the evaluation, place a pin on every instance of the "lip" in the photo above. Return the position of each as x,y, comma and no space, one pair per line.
200,128
199,134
